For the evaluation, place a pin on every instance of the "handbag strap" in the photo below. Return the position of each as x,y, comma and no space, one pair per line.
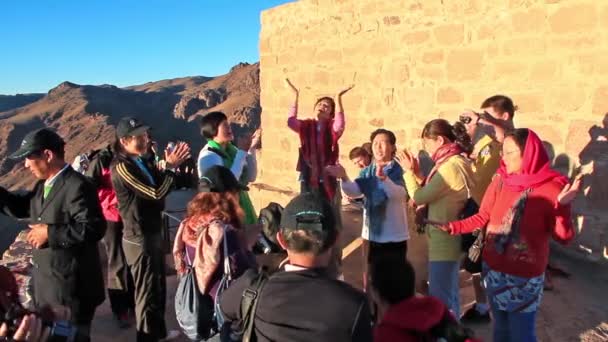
249,304
227,269
187,257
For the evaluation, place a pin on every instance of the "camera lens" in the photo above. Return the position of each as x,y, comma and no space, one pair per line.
464,119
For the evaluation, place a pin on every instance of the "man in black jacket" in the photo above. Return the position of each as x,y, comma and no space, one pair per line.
141,190
302,303
66,223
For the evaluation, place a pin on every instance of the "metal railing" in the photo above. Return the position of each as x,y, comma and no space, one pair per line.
171,219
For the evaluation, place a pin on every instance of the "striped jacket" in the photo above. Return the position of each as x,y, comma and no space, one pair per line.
140,202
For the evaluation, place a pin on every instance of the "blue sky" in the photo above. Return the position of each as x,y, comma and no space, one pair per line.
128,42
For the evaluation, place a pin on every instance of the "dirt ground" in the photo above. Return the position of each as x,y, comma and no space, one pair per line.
576,310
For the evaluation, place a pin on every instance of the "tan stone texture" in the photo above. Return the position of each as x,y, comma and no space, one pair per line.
413,61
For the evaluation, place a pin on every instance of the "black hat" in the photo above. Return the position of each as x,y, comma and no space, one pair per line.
130,127
37,141
219,179
308,211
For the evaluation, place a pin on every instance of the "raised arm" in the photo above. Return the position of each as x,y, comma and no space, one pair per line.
563,232
292,116
339,121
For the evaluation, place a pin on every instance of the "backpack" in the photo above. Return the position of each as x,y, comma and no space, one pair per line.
198,316
81,163
242,330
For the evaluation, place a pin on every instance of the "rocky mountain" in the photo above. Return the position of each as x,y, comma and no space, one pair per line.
85,115
8,102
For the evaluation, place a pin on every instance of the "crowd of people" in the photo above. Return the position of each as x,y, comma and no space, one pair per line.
487,177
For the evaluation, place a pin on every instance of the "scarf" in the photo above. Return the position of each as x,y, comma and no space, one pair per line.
509,227
375,198
443,153
535,169
244,200
206,235
319,148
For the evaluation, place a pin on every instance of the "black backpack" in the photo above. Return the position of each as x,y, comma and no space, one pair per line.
242,330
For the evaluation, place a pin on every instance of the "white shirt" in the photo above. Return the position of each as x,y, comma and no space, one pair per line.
394,227
207,159
49,182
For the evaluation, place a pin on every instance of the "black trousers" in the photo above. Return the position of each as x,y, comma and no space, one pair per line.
386,250
121,290
145,256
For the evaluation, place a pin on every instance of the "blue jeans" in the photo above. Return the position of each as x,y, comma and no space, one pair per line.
513,326
443,284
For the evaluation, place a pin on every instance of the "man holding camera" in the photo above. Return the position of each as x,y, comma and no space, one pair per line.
66,223
487,130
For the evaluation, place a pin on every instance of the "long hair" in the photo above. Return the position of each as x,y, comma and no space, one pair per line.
223,206
456,133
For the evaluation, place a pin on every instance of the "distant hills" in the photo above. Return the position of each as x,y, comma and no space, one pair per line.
85,114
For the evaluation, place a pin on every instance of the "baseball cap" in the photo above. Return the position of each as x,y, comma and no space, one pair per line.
36,141
130,127
310,212
219,179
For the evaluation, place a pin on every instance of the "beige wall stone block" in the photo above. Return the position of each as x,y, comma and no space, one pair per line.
600,100
549,133
433,57
464,65
416,37
543,71
578,137
510,69
435,73
593,64
392,20
577,17
529,20
449,95
450,34
529,103
568,98
520,47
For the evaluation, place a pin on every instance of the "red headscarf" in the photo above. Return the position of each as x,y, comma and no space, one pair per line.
535,167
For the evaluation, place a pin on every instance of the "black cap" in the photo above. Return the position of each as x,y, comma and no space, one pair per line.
130,127
219,179
37,141
308,211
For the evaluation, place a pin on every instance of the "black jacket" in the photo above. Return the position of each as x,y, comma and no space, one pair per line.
140,203
67,270
303,306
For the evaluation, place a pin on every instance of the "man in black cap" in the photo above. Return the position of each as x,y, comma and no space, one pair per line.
141,190
303,303
66,223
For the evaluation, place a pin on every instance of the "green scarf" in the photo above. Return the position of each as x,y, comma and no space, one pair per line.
244,200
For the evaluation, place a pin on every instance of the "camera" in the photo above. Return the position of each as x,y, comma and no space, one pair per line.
12,312
465,119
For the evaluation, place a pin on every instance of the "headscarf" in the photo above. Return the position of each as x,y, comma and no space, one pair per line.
535,167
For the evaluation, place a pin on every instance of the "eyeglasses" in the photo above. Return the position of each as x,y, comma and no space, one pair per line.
502,154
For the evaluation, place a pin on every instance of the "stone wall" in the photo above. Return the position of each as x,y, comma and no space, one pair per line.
413,61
